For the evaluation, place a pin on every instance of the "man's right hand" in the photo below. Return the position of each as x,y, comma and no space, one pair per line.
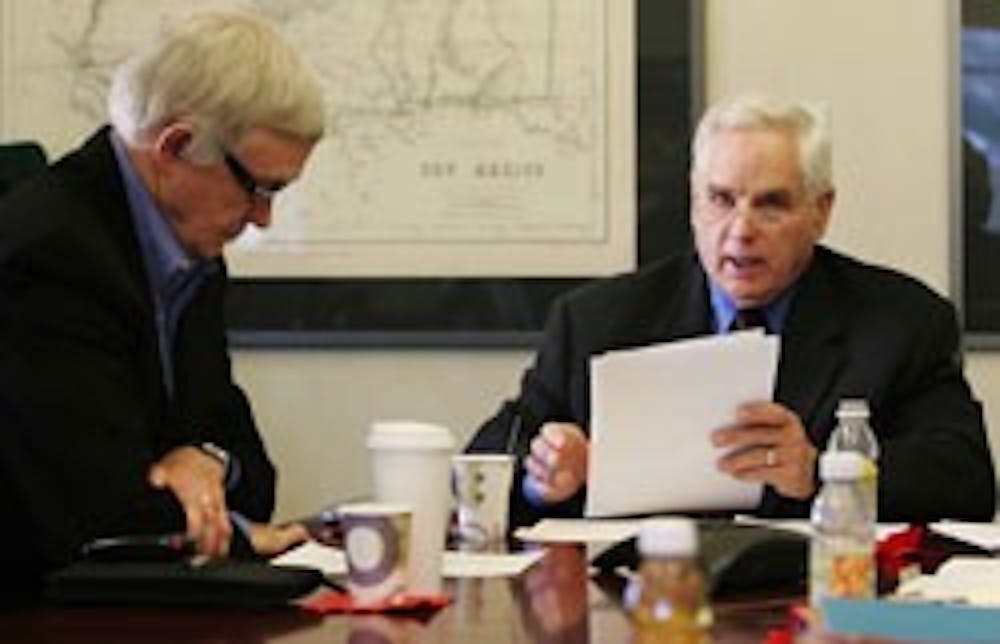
195,478
557,464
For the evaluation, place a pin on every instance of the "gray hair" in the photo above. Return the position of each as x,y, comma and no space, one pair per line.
807,122
225,73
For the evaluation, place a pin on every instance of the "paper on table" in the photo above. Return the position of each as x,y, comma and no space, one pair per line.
652,410
487,564
972,580
804,527
579,530
311,554
331,561
984,535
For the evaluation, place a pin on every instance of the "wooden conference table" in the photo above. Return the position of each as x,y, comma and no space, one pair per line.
553,601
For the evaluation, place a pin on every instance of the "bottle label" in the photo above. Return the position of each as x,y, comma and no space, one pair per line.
852,575
847,574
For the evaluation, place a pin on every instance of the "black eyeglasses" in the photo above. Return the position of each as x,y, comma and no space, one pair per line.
250,185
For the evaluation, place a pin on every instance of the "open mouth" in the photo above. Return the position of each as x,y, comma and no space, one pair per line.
741,265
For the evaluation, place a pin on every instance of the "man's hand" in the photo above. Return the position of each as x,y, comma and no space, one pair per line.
767,443
269,540
195,478
557,464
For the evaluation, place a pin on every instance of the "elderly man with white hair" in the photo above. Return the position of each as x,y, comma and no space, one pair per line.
119,411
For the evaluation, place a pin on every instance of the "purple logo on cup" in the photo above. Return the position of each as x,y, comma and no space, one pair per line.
377,542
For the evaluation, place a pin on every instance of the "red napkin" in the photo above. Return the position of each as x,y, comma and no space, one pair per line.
896,553
332,601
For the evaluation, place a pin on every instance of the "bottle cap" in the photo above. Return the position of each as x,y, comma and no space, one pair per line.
668,537
853,408
841,466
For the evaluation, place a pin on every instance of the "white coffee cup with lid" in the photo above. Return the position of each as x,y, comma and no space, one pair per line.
411,465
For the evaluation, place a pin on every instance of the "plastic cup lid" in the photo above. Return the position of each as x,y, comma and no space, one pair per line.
409,434
483,458
373,508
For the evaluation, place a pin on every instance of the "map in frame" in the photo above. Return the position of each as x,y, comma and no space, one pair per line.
467,138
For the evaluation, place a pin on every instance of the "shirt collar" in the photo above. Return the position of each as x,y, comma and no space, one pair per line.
724,309
166,262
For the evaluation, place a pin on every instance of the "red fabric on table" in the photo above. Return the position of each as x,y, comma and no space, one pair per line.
332,601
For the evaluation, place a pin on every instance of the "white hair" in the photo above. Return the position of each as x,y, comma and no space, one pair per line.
808,122
224,73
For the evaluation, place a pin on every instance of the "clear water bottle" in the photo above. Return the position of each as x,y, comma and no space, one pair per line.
854,434
842,554
666,601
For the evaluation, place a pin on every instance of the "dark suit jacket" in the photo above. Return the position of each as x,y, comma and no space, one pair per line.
853,330
83,409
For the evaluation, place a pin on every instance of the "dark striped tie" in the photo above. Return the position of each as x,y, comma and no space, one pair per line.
748,319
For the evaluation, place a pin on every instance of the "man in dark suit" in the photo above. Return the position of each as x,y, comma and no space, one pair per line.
761,195
118,411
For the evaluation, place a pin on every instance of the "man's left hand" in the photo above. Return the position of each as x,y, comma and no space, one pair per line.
269,540
768,443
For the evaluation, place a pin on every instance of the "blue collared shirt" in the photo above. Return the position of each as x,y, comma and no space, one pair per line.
724,309
173,275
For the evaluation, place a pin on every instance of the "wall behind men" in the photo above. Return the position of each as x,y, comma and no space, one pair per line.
885,69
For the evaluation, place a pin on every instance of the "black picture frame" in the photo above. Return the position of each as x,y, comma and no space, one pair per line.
976,247
508,312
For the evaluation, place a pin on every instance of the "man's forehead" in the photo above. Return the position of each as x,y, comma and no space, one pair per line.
767,189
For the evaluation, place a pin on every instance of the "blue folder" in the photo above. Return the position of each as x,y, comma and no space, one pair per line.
907,620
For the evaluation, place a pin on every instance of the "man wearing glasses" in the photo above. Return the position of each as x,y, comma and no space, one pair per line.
118,412
762,195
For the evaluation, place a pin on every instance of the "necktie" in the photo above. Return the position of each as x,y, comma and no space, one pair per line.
748,319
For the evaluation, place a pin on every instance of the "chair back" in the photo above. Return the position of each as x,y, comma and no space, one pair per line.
18,161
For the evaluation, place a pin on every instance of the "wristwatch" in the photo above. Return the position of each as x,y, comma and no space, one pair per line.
219,454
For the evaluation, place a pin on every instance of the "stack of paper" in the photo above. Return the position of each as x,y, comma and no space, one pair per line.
652,412
983,535
332,561
968,580
579,530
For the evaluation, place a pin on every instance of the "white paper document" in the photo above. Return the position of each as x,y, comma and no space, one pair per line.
983,535
652,411
579,530
332,561
969,580
805,528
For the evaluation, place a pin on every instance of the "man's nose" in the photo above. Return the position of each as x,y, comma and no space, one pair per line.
745,218
260,213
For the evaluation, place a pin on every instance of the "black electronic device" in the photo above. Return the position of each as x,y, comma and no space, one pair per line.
220,582
324,526
737,558
140,547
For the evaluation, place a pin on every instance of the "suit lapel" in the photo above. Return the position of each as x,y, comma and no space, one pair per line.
811,345
94,171
666,317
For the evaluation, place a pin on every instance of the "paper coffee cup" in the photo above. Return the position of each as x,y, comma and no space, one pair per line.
377,545
411,463
482,490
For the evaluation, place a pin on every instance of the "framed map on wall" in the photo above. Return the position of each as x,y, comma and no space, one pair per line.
482,156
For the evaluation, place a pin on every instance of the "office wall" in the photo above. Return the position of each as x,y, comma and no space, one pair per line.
883,66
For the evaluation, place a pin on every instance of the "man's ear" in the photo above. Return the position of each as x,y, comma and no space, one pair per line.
173,141
824,208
